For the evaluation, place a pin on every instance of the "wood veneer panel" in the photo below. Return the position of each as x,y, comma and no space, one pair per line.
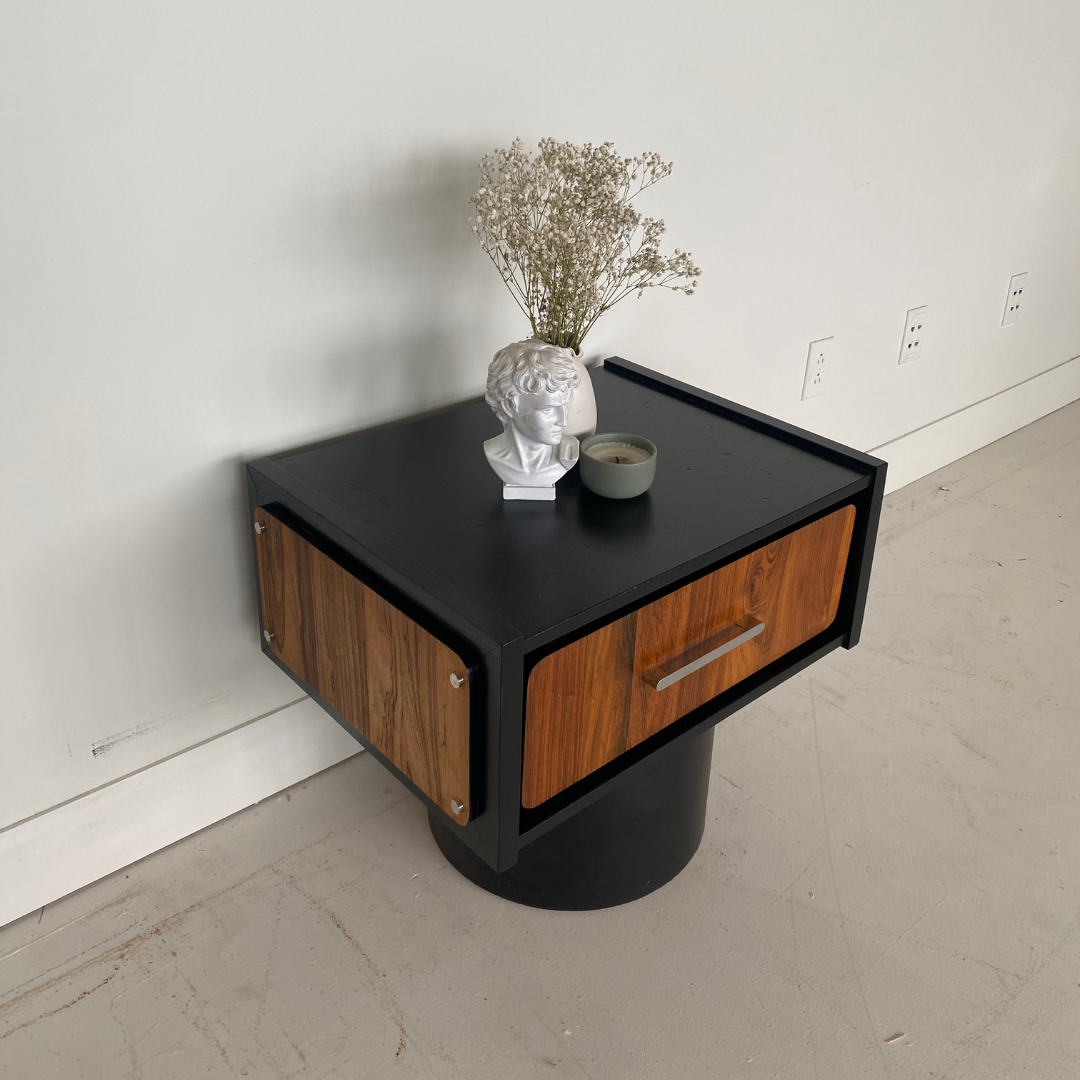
380,670
589,701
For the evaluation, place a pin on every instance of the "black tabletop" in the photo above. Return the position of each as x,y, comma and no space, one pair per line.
421,493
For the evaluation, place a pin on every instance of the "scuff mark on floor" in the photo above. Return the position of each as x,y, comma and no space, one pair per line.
119,952
52,1012
389,999
968,745
832,871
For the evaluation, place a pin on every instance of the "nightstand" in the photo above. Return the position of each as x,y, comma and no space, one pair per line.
545,677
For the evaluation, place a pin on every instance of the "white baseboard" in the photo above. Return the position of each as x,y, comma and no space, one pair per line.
63,849
941,442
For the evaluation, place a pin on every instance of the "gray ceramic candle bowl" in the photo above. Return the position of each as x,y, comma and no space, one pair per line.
617,465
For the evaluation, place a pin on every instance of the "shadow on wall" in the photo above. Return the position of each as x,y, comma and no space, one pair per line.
427,292
428,305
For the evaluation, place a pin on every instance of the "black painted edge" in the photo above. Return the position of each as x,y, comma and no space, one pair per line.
536,822
506,743
806,440
862,555
253,504
547,641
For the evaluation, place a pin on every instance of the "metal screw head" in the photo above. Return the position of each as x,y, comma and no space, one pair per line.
260,527
456,806
456,681
268,635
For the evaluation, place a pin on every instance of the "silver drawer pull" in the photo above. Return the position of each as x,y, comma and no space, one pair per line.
664,676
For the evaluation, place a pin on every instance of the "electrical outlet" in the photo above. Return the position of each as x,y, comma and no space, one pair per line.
818,362
1012,301
911,346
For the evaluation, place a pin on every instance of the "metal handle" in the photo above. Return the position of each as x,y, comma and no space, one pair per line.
664,675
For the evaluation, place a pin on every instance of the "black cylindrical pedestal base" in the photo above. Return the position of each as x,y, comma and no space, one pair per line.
623,846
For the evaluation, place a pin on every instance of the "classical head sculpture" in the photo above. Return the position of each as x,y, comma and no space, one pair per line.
530,385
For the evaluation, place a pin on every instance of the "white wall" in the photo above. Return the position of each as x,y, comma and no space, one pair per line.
227,228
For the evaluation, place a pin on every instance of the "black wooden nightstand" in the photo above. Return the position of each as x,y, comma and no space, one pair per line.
546,676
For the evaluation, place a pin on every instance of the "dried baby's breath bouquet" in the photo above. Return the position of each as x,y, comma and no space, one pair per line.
563,233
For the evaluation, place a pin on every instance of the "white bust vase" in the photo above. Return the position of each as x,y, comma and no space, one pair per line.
581,418
532,387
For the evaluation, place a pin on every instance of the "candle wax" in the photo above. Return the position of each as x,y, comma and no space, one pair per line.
618,453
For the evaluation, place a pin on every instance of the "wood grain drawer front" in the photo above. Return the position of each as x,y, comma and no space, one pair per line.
598,696
381,671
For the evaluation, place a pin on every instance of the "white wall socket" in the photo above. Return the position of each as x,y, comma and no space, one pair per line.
818,363
911,346
1012,301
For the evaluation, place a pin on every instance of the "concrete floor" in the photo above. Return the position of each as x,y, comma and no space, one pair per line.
889,884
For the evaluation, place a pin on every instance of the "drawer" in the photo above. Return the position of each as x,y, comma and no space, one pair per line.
608,691
403,690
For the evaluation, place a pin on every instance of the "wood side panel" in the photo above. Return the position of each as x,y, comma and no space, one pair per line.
609,668
560,683
278,584
380,670
587,688
589,701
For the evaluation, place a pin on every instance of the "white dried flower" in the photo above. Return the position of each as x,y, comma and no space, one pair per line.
562,232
